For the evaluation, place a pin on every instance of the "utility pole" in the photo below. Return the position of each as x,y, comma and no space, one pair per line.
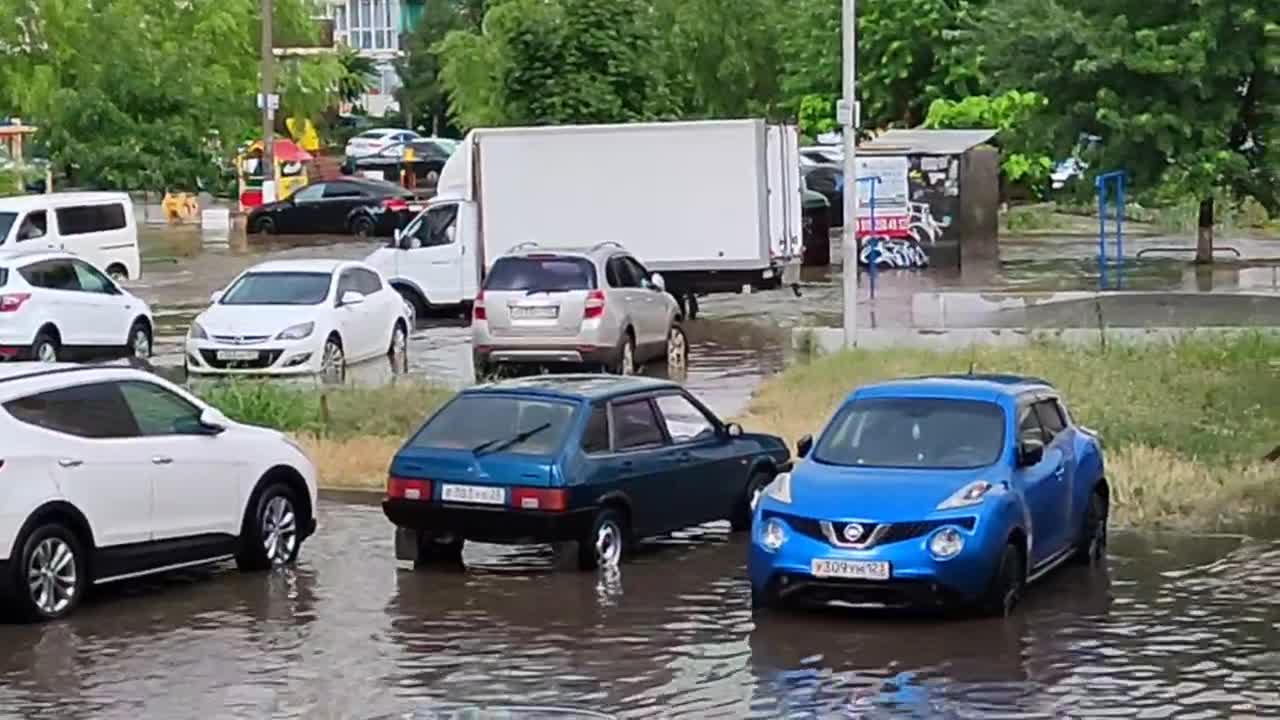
268,112
849,119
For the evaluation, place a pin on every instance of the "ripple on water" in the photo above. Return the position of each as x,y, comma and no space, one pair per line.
1175,627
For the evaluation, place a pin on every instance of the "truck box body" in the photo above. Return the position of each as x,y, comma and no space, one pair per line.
714,206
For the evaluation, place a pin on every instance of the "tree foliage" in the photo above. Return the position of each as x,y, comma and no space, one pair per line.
1014,116
358,74
140,94
422,94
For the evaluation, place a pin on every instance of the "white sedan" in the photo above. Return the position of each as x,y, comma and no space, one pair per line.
372,142
298,317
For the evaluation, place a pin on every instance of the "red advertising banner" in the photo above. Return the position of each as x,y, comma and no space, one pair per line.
893,226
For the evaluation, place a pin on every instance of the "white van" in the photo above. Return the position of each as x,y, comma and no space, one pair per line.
97,226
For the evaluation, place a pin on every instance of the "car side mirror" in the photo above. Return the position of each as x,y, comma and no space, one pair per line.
1030,452
804,445
212,422
658,283
733,430
216,297
350,297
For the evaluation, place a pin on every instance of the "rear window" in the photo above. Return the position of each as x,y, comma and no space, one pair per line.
84,219
550,273
7,219
492,423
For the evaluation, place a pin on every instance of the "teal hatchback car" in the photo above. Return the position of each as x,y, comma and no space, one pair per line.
600,460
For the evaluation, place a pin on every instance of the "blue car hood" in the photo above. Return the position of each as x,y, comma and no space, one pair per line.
464,466
879,494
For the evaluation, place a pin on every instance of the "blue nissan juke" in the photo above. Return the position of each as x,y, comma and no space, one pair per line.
949,490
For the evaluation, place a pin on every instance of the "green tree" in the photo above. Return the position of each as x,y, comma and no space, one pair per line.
140,94
1025,158
1184,97
358,75
557,61
422,94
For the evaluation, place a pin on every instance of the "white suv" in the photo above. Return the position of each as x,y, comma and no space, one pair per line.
56,306
108,473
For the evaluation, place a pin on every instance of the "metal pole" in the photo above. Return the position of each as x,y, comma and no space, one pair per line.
849,241
268,88
1102,233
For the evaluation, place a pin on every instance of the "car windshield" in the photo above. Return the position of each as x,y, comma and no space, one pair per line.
279,288
931,433
551,273
495,423
7,219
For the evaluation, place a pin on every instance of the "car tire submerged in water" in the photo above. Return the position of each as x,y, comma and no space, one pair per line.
1005,589
272,534
140,341
626,363
45,348
48,573
604,544
1092,546
741,518
437,552
263,226
677,351
362,226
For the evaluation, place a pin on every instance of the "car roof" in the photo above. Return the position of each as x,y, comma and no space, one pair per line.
22,203
601,249
971,386
576,387
24,257
383,131
317,265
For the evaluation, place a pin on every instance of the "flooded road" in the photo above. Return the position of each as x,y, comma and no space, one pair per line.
1170,627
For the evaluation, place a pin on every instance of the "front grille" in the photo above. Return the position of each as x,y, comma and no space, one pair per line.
241,339
265,359
895,532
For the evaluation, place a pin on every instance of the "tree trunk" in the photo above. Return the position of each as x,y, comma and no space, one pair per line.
1204,233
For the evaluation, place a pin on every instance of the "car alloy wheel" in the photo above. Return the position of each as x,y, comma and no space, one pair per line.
608,545
399,341
140,343
117,275
46,350
279,530
677,350
362,227
52,576
333,363
604,544
627,362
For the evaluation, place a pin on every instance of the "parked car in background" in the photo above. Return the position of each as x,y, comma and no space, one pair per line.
429,156
293,317
97,226
594,459
586,306
358,206
57,306
371,142
955,490
824,154
112,473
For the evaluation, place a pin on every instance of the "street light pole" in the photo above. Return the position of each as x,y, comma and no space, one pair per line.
268,113
849,120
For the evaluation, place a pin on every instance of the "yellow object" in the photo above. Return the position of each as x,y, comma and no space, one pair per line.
180,207
304,133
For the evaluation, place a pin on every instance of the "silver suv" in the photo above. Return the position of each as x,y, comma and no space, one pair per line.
583,306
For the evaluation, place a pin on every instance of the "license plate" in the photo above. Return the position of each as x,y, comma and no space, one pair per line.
473,494
535,313
850,569
237,354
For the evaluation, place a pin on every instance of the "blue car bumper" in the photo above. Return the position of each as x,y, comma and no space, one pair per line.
916,576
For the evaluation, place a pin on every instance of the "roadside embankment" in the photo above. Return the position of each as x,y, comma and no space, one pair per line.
1186,424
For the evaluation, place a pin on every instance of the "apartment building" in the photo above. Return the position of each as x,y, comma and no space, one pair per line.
374,28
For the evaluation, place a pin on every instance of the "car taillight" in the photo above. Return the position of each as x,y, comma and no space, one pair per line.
477,308
395,205
12,302
408,488
595,305
535,499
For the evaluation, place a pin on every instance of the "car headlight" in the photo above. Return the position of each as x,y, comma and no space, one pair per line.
197,332
773,535
946,543
779,489
297,332
971,494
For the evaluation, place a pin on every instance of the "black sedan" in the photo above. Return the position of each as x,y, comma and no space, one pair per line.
429,157
356,206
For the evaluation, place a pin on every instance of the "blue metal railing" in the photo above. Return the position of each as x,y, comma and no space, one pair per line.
1116,180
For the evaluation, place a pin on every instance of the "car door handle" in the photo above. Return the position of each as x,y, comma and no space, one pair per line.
161,460
1058,474
70,462
682,458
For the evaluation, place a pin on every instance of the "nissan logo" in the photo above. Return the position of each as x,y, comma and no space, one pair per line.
853,532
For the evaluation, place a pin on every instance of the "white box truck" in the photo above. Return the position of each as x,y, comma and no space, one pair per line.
714,206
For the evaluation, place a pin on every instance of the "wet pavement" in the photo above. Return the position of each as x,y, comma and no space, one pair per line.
1169,627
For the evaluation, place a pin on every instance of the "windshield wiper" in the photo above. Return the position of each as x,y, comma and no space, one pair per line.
499,444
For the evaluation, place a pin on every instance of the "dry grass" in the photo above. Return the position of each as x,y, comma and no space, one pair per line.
1186,424
351,463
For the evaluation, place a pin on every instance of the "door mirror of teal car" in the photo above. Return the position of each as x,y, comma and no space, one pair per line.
733,430
804,445
1030,452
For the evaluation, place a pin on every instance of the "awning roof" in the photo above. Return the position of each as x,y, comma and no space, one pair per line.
925,142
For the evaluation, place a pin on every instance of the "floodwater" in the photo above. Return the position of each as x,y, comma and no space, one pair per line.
1169,627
